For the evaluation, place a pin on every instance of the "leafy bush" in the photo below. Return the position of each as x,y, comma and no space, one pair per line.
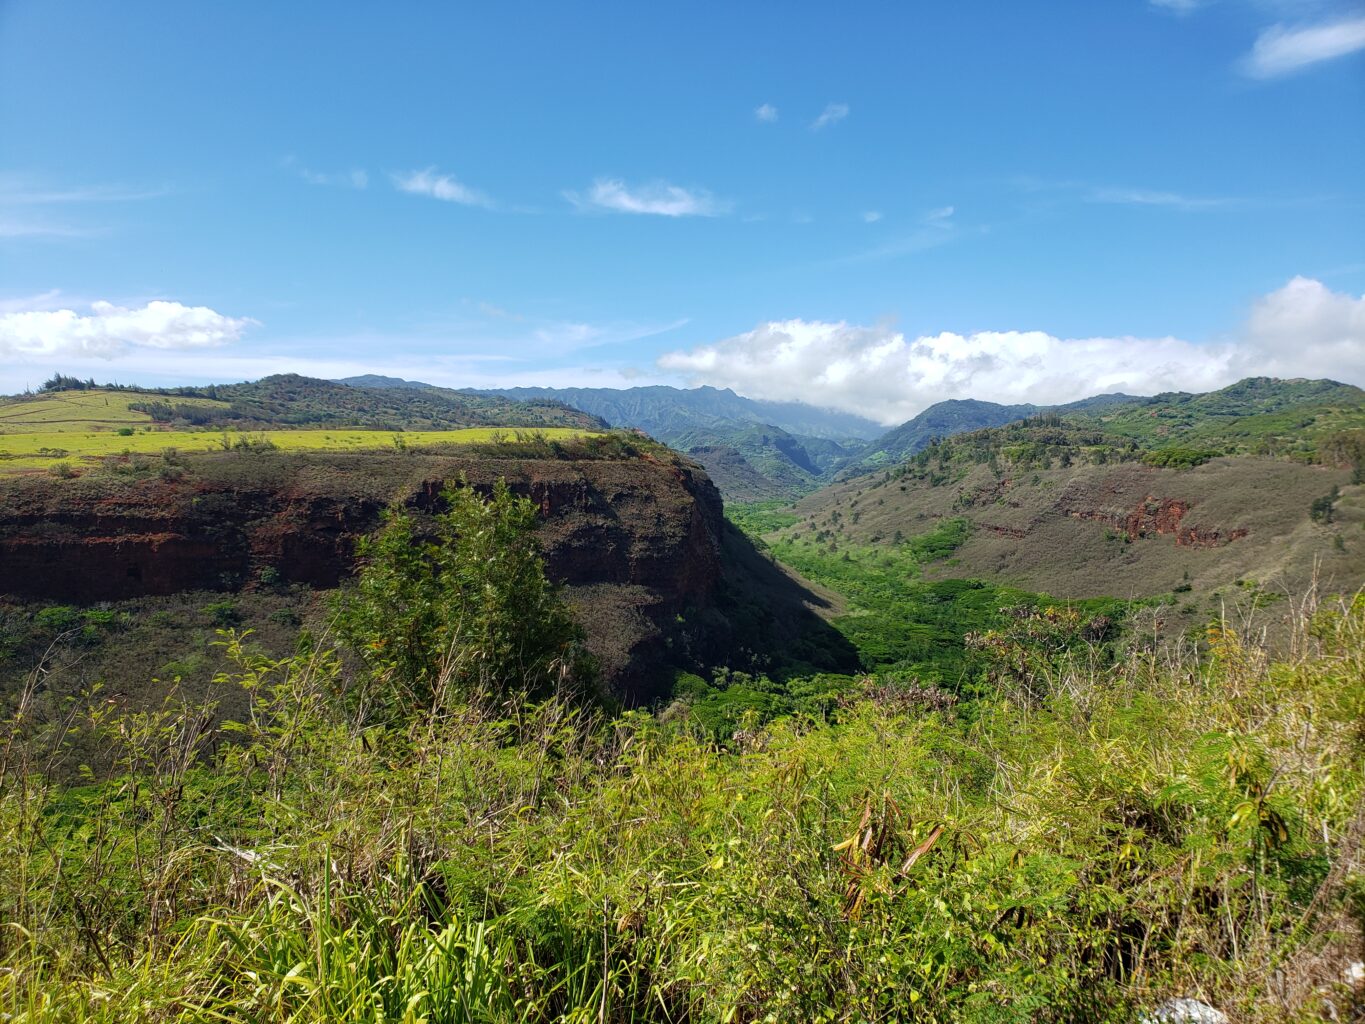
1179,458
465,613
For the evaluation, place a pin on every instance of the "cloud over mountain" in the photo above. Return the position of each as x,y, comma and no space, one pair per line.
1302,329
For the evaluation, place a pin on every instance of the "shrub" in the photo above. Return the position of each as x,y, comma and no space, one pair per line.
464,613
1179,458
223,614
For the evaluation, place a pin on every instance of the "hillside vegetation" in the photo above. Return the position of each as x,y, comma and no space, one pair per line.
283,400
1076,843
66,427
1051,721
1199,499
67,451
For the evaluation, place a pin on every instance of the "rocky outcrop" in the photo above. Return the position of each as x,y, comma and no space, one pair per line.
1155,517
637,540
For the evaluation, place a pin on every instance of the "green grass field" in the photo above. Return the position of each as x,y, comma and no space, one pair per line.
37,450
81,411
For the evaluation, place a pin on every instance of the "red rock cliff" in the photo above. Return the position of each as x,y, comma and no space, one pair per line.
636,541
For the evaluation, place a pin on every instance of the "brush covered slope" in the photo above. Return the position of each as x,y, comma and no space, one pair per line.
957,416
281,401
1257,485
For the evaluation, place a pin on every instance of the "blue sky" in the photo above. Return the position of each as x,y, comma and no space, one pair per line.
863,205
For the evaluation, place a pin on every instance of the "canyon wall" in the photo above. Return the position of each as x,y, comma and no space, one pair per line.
637,542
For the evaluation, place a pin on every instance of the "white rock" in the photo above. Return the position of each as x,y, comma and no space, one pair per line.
1185,1011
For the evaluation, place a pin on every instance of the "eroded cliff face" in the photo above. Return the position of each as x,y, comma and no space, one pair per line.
1159,517
636,542
1121,529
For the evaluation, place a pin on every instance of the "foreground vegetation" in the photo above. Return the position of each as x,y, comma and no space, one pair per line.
434,820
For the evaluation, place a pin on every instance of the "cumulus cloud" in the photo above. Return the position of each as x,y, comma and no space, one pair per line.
659,198
832,114
872,216
767,112
1281,51
1306,330
1303,329
108,331
439,186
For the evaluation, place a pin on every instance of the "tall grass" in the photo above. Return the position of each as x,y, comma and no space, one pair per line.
1060,852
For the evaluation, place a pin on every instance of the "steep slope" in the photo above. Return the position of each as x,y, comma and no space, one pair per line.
1133,497
787,464
664,412
943,419
960,416
636,538
757,448
1126,530
1258,414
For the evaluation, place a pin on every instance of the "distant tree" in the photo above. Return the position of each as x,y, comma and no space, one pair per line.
1345,448
61,382
1322,510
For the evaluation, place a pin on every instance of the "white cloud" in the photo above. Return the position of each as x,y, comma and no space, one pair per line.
1281,51
767,112
1153,197
1303,329
658,198
356,178
1306,329
1178,6
439,186
872,216
110,331
832,114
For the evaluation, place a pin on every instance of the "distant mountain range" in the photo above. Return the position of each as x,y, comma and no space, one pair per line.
758,450
667,411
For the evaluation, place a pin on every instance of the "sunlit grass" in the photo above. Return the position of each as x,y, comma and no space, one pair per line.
39,450
81,411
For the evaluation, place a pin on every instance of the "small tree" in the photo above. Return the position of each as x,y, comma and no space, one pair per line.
1322,510
464,613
